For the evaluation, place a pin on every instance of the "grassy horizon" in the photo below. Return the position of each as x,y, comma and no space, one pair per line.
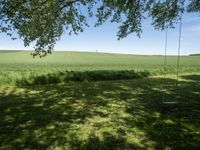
20,65
98,51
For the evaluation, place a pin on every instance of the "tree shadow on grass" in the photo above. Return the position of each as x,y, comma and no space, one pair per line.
101,115
193,77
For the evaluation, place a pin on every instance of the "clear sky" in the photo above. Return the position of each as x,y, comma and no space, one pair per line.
103,39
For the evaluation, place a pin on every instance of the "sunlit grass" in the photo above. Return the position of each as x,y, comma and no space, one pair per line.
122,115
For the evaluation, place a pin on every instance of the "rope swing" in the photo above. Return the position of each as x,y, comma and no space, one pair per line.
178,60
179,50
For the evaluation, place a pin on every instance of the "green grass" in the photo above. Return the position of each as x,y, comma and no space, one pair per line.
106,115
82,76
102,113
20,65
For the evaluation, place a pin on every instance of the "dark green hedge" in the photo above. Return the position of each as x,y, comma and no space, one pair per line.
79,76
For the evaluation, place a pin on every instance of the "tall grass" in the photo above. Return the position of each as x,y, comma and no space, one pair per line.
16,66
80,76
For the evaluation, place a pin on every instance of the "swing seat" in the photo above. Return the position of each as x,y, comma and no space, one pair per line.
170,103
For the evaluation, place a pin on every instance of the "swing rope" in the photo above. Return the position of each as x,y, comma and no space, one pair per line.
166,43
178,55
179,50
165,62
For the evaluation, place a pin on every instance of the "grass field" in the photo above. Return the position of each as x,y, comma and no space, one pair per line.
17,65
137,114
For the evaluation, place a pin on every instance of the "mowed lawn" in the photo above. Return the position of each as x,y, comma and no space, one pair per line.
141,114
123,115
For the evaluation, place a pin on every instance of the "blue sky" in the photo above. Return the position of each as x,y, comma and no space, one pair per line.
104,39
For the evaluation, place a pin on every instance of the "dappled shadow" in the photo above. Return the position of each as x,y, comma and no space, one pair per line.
101,115
192,77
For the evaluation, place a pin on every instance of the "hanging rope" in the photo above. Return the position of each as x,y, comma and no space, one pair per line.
179,48
165,62
166,43
178,55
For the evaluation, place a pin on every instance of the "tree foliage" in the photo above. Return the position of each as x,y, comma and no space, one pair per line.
42,22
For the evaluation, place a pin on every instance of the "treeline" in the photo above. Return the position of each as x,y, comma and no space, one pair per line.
194,55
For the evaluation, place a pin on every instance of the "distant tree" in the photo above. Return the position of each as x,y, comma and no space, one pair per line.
194,55
44,21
